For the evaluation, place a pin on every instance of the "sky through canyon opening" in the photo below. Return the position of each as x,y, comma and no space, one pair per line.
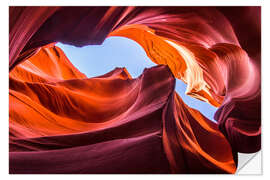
96,60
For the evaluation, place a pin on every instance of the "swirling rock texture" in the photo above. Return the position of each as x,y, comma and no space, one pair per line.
63,122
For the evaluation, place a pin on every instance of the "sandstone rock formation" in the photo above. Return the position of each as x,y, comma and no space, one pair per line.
63,122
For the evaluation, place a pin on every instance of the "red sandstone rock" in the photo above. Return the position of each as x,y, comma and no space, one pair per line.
104,123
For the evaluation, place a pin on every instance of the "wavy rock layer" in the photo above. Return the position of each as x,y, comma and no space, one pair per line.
60,118
55,108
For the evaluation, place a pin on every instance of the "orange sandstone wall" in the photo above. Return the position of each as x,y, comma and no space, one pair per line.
59,118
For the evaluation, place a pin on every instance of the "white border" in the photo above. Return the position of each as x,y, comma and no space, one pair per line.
4,75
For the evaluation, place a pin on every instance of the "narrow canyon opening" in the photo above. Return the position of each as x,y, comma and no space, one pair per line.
96,60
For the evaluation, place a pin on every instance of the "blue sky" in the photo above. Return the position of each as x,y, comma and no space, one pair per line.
96,60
